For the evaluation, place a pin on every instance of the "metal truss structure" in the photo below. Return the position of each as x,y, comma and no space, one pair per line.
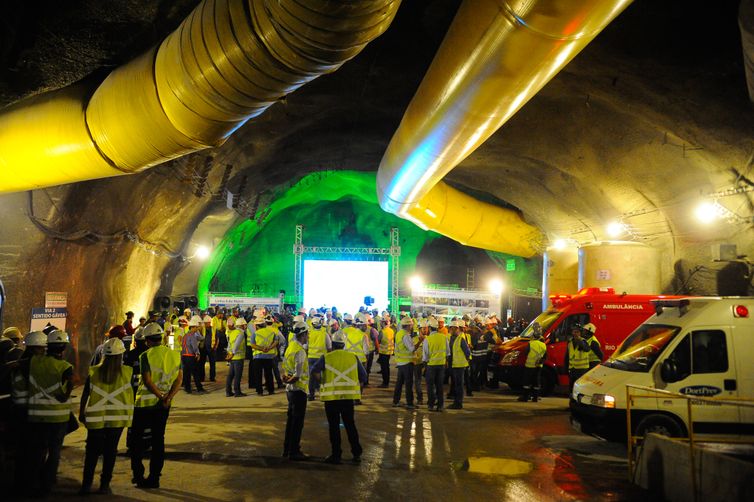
393,253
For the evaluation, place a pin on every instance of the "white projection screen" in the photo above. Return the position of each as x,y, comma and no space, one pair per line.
344,284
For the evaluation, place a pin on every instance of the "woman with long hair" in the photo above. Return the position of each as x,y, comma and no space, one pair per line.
106,408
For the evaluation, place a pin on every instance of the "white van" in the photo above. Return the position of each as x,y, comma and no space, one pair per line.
695,346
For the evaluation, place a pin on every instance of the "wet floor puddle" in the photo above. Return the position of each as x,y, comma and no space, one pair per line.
494,465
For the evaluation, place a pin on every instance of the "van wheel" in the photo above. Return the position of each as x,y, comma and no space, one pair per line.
546,382
660,424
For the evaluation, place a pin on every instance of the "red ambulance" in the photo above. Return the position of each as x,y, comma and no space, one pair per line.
614,315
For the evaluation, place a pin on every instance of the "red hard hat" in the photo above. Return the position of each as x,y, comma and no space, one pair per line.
117,331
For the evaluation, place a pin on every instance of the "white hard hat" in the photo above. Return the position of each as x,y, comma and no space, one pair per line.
456,323
407,321
360,318
298,318
258,321
590,328
241,321
347,317
207,319
152,330
432,321
423,323
195,321
57,336
300,327
139,333
317,321
36,339
114,347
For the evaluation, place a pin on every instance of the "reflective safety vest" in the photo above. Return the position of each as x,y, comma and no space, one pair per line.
317,343
437,345
387,341
264,337
289,365
164,365
418,353
370,338
109,405
402,354
45,386
537,352
355,343
577,359
467,336
175,341
592,356
19,388
340,378
480,347
459,358
235,345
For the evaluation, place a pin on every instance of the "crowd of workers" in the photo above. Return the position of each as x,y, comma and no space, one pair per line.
135,374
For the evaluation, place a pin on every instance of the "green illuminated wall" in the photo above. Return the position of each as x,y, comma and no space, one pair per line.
337,209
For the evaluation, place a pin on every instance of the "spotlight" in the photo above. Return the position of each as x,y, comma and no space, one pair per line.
559,244
707,212
415,282
202,252
616,229
496,286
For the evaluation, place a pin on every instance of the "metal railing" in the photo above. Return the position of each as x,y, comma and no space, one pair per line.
634,445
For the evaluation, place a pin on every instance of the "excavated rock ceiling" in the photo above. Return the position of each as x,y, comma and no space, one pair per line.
653,113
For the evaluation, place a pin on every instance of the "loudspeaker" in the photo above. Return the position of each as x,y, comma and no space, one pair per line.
191,301
180,306
161,303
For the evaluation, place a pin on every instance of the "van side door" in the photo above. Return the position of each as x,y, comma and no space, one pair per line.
705,366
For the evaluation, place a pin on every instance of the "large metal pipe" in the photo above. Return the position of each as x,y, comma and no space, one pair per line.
226,63
496,55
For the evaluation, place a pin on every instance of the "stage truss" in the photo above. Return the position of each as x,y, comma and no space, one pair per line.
393,253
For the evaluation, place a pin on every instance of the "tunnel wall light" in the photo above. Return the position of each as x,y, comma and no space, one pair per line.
496,286
416,282
202,252
616,229
708,212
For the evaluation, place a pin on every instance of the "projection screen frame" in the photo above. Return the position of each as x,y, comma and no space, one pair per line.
393,253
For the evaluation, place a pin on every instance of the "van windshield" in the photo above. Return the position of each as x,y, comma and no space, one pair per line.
545,319
642,347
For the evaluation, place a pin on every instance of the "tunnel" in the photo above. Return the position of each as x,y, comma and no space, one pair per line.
156,156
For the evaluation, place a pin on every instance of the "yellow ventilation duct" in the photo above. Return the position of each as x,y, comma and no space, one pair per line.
496,55
226,63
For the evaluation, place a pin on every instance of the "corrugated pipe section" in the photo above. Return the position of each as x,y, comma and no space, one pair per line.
496,55
226,63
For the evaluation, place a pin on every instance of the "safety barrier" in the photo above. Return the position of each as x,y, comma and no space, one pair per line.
635,441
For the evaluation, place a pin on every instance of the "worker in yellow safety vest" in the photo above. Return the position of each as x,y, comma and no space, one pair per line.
264,344
536,352
405,355
342,375
595,350
319,344
161,378
386,349
237,353
296,377
459,361
435,352
356,341
420,331
49,410
576,357
107,406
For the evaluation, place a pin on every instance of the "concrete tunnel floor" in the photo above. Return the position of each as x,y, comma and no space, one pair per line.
220,448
